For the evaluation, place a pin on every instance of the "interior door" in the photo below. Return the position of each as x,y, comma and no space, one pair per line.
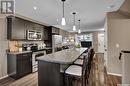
100,42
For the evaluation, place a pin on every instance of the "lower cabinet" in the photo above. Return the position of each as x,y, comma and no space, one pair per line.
19,65
48,51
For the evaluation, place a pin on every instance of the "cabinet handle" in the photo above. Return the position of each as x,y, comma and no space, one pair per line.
120,56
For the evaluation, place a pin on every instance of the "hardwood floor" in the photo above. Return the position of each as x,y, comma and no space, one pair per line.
29,80
98,77
113,80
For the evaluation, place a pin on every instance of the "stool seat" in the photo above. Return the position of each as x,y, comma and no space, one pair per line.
82,56
74,70
79,62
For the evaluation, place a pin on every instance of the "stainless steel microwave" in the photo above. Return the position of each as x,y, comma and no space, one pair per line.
34,35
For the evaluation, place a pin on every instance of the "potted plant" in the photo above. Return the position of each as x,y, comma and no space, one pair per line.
78,46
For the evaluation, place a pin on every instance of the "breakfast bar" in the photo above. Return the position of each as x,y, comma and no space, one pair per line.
51,67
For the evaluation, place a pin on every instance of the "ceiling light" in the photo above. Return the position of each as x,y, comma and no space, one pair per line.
74,27
79,31
111,6
35,8
63,22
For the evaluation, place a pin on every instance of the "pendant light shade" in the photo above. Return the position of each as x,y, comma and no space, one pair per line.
74,26
79,31
63,22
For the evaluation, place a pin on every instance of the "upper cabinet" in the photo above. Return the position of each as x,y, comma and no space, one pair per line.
64,33
17,29
21,29
55,31
47,33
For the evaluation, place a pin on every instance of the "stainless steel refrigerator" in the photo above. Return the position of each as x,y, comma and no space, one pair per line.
56,43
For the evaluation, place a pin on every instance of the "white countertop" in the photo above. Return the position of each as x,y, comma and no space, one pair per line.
63,57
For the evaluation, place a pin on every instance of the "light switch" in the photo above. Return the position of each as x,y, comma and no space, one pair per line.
117,45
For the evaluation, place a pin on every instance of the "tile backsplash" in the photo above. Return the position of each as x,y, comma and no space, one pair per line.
29,42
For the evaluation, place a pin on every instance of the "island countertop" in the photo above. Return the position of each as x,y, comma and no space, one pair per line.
63,57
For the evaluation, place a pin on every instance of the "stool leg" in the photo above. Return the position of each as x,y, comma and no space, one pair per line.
67,80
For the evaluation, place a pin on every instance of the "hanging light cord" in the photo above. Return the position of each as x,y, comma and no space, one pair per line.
74,18
63,9
79,24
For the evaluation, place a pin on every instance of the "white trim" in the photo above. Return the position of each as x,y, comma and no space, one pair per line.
3,77
114,74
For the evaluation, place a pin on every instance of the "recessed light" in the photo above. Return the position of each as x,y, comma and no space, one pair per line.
111,6
35,8
57,20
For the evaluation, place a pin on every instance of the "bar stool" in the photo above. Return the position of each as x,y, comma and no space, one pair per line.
79,61
78,72
90,60
81,72
84,54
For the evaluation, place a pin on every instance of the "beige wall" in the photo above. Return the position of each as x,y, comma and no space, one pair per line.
95,41
117,35
125,7
116,15
3,47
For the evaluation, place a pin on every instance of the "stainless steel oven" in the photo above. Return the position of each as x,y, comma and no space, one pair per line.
34,35
34,61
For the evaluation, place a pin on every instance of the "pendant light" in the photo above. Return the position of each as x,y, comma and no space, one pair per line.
79,31
74,27
63,22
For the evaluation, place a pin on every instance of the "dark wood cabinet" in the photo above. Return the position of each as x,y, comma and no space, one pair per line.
16,29
55,31
48,51
19,65
47,33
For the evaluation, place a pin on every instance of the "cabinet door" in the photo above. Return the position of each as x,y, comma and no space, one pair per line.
29,26
18,29
46,34
24,64
55,30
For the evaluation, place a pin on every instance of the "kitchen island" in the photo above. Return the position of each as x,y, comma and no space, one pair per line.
51,67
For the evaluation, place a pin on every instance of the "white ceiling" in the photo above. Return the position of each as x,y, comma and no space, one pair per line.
91,12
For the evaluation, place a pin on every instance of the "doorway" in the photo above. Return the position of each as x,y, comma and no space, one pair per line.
101,42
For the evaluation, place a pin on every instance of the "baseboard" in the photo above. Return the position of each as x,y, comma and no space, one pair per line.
115,74
3,77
